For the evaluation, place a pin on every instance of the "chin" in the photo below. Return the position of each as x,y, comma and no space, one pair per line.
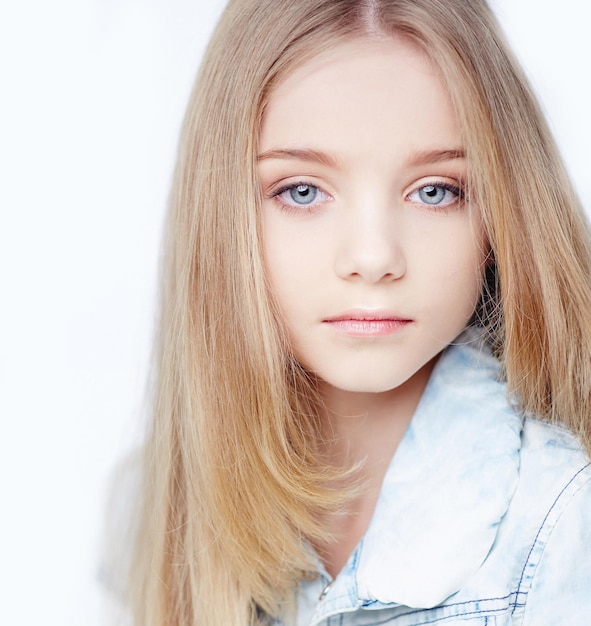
364,383
370,378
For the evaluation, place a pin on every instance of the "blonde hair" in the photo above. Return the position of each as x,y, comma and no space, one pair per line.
235,482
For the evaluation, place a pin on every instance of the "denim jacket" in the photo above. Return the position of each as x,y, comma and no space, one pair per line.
484,517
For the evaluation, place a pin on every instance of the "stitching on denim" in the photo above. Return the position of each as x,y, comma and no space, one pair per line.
457,604
511,599
391,620
540,530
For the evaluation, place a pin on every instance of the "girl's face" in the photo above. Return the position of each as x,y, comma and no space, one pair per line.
373,255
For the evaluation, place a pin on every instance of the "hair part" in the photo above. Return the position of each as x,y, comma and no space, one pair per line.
236,483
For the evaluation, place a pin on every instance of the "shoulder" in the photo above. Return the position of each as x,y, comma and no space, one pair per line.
553,468
543,544
550,450
555,495
538,570
540,561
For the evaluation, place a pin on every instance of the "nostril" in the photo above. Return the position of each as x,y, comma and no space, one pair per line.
372,264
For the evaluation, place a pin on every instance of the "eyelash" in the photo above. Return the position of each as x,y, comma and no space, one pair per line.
457,190
276,195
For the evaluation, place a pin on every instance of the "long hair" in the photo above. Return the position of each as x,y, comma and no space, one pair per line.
235,482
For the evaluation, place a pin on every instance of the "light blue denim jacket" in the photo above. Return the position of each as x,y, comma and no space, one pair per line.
484,517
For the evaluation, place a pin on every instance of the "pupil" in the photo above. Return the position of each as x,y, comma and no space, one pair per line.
303,194
432,194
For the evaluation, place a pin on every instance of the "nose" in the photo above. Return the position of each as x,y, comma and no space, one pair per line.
370,245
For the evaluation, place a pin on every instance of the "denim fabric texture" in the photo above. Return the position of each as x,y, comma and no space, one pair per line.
484,516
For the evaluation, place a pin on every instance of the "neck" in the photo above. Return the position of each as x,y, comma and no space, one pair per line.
363,428
367,427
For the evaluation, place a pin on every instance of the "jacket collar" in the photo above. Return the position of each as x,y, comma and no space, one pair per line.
447,487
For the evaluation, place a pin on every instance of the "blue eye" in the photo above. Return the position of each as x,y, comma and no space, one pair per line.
303,194
431,194
440,194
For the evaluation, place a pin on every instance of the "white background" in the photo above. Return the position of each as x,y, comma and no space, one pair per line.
92,94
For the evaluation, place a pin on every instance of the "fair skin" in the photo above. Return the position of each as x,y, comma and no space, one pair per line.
373,255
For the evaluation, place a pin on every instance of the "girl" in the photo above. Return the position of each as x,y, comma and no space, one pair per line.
373,376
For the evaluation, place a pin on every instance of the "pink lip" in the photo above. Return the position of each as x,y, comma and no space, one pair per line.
368,323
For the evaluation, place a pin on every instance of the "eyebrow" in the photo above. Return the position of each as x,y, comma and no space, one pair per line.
424,157
428,157
299,154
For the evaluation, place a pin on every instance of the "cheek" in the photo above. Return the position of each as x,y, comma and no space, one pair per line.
278,254
297,249
290,262
456,273
275,255
466,279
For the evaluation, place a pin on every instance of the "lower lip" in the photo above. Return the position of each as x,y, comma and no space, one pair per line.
368,328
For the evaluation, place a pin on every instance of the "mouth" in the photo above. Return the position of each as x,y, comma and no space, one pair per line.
368,323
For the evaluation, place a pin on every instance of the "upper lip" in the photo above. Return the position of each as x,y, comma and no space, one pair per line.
368,316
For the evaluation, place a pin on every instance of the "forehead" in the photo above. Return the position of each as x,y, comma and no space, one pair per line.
358,89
